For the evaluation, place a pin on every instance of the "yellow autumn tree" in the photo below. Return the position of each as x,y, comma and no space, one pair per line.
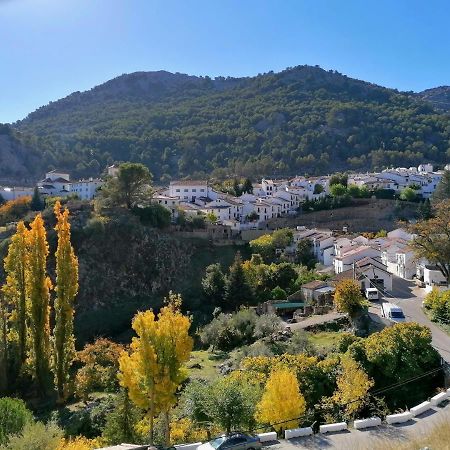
15,289
66,290
353,385
155,366
282,404
38,292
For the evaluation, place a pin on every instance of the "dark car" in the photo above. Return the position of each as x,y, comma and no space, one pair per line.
233,441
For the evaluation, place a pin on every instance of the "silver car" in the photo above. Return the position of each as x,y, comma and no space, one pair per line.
233,441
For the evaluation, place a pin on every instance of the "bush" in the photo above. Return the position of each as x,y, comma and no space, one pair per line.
154,215
36,436
100,363
14,210
14,415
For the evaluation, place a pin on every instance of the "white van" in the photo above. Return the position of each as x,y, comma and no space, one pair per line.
372,294
392,312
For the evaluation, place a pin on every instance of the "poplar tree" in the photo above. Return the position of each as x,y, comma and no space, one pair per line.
66,290
38,292
3,344
155,367
15,289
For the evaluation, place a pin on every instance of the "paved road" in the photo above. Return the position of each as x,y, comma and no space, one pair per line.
409,298
315,320
361,440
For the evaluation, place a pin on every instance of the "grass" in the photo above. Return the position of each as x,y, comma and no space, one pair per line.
324,340
443,326
208,362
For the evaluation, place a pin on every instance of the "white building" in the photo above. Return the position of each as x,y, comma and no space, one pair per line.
55,183
346,257
190,190
86,189
13,193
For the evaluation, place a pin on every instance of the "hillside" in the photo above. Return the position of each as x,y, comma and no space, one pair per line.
301,120
439,97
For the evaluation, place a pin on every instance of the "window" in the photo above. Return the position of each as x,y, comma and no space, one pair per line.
186,190
194,190
177,190
202,190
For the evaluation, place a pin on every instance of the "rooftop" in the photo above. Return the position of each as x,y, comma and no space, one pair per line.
189,183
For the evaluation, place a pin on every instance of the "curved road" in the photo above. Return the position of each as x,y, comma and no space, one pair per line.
409,298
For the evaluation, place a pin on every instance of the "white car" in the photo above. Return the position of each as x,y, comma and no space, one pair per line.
392,312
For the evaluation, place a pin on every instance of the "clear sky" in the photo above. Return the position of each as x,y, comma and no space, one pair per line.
50,48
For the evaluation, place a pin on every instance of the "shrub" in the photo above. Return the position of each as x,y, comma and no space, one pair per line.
36,436
14,415
14,210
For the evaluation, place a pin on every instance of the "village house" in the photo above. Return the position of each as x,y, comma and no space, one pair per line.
86,189
55,183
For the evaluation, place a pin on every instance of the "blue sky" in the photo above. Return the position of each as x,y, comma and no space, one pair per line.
50,48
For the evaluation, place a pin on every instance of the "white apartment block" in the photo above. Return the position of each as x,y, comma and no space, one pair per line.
191,190
86,189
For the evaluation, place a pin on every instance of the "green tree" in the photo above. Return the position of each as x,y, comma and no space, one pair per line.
408,194
348,298
432,238
14,415
338,190
131,187
278,293
304,254
318,189
37,204
442,191
213,284
247,187
237,289
66,290
121,421
424,210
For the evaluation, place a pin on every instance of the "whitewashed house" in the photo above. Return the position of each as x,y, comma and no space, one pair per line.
56,183
190,190
86,189
348,256
14,193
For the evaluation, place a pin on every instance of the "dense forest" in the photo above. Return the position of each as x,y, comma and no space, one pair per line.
303,120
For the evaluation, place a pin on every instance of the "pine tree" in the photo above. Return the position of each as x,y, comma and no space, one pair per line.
247,187
37,203
66,290
15,289
38,292
237,289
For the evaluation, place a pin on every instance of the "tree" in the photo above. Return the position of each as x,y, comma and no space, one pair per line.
237,289
213,284
338,178
348,298
278,293
432,240
38,291
318,189
13,417
282,405
121,421
338,190
155,368
354,191
304,254
66,290
424,210
408,194
442,191
37,204
231,403
353,385
247,187
99,366
131,187
4,316
236,188
15,289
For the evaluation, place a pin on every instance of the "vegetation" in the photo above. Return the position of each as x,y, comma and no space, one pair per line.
245,126
438,304
348,298
432,239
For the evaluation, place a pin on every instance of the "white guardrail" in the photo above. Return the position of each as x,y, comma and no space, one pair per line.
342,426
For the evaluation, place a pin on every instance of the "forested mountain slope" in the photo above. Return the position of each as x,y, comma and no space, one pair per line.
301,120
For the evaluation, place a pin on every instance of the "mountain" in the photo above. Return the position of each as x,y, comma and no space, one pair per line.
439,97
301,120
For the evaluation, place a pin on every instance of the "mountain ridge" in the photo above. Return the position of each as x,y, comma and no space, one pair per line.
300,120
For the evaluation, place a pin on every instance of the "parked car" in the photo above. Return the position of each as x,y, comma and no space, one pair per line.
392,312
372,294
233,441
